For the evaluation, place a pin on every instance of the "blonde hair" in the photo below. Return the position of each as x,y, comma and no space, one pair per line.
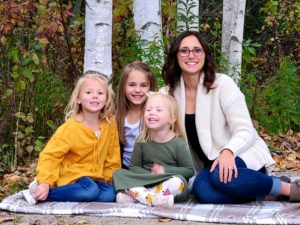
122,104
177,127
73,109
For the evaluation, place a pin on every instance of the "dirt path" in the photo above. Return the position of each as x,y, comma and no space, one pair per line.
33,219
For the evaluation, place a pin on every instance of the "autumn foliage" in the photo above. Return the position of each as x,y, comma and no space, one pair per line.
41,55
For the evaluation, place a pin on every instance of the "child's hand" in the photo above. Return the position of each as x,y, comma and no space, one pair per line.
41,191
157,169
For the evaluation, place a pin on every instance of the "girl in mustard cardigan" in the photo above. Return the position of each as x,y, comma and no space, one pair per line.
78,161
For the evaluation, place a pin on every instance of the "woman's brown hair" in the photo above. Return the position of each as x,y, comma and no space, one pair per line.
171,70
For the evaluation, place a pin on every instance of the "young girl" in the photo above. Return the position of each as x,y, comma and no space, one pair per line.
136,80
78,162
161,163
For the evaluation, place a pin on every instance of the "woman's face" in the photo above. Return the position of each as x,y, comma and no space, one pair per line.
190,56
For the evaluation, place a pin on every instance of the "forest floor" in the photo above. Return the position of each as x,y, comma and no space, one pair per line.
285,149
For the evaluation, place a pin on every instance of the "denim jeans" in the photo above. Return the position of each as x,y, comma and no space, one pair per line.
83,190
250,185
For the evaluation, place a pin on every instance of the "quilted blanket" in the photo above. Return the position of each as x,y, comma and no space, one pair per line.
263,212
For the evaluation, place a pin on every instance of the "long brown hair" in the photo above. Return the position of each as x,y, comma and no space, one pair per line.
122,104
172,71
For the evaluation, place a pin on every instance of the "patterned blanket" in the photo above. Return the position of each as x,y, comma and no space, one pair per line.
251,213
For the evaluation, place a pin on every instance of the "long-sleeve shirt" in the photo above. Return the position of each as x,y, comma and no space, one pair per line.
173,155
75,151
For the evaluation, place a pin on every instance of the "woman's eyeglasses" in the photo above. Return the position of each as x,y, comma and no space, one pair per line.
186,51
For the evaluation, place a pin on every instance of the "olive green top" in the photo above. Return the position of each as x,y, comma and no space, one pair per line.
173,155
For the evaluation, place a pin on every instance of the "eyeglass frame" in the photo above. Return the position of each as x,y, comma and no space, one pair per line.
191,50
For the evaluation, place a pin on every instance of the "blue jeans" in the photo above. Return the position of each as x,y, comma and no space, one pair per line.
83,190
250,185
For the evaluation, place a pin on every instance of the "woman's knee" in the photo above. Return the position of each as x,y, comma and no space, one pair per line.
201,186
215,177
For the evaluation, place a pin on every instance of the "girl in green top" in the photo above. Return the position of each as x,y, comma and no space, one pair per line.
161,163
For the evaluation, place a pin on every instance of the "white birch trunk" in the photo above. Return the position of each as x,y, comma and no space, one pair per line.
232,35
187,15
98,37
148,25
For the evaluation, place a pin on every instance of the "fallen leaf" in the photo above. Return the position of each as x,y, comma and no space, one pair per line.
83,222
6,219
13,179
165,220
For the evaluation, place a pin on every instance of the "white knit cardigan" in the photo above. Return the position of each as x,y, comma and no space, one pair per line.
223,121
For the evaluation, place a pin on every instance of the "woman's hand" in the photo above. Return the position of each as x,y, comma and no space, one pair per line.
41,191
227,166
157,169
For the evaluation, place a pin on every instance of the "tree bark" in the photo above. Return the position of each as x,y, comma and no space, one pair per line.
148,25
187,15
232,35
98,37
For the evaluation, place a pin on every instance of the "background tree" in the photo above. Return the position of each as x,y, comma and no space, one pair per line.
148,25
42,50
232,35
98,37
187,15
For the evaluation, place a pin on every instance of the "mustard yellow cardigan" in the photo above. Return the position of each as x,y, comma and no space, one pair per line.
74,151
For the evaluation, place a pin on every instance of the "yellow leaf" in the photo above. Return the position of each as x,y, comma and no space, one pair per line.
35,58
165,220
277,159
20,23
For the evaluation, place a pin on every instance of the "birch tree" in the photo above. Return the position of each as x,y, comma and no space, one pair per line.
187,15
148,25
232,35
98,37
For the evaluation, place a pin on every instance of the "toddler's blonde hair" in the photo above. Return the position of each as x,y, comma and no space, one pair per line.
177,126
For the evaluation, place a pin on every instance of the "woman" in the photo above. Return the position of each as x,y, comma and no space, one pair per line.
219,129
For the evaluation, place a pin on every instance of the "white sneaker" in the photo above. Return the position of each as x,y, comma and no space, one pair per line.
33,185
29,197
163,200
124,198
28,194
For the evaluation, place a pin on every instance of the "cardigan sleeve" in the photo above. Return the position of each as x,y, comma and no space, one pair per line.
233,103
50,159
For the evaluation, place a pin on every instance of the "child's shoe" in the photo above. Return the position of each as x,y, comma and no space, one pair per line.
163,200
28,194
33,185
29,197
124,198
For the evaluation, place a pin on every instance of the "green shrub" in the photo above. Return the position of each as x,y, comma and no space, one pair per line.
275,103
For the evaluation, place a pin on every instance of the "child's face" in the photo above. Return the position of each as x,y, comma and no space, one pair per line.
92,96
137,85
157,114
